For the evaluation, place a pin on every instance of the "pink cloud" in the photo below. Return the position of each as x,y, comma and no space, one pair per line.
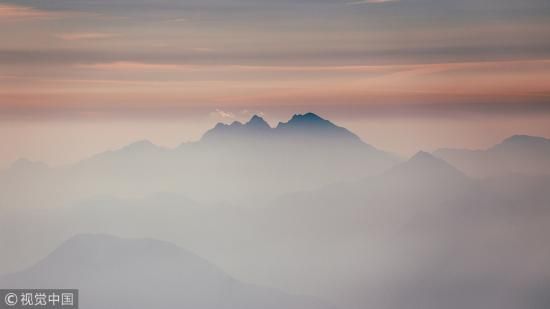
10,12
74,36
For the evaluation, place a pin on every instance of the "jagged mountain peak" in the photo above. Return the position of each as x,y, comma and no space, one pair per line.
308,125
234,124
227,132
258,122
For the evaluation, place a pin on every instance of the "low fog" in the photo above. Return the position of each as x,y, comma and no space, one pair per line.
303,215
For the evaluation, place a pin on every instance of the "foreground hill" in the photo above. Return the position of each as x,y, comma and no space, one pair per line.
120,273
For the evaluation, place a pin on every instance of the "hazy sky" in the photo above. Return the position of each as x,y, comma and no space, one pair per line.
81,76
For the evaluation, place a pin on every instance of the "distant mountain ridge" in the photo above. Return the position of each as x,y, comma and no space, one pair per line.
518,154
540,143
27,165
425,164
231,161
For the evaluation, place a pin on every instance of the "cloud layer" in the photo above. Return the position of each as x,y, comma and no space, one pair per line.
128,60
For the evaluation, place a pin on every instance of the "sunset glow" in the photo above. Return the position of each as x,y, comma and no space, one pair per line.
91,62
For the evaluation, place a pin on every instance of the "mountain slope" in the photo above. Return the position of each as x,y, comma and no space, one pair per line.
519,154
140,273
426,236
424,164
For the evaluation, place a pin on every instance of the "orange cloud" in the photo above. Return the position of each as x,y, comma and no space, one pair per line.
15,13
141,66
84,36
138,85
402,70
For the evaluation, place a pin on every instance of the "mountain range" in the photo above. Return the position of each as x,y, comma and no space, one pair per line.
518,154
405,238
230,162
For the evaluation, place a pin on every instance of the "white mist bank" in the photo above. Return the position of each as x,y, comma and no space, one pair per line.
306,212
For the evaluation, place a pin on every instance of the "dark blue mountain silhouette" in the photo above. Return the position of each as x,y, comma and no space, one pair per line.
258,123
306,126
313,125
223,132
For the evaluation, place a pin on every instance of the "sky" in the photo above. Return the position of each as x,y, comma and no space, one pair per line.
78,77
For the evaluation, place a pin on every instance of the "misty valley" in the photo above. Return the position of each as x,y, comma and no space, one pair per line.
301,215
